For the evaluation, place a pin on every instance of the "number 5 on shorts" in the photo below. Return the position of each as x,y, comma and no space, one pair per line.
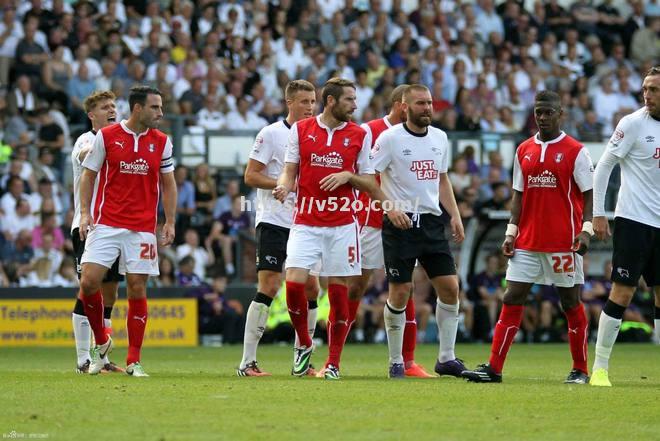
567,260
351,254
147,251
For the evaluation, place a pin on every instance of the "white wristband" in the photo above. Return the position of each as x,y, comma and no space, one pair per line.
511,230
588,227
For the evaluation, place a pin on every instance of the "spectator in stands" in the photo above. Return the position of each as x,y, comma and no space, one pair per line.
233,223
459,175
48,226
46,194
66,276
47,249
192,100
590,130
223,203
243,118
18,219
217,314
55,76
80,87
210,117
488,285
14,190
185,206
30,55
185,276
203,257
205,198
41,275
17,255
11,32
21,101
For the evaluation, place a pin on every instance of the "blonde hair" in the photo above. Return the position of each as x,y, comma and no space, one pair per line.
95,98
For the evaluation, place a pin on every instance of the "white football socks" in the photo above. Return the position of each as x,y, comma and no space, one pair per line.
446,317
395,322
255,325
608,330
82,333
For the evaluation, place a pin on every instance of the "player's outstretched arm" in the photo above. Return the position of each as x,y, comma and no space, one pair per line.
448,201
87,180
368,183
582,240
512,228
286,181
169,206
254,176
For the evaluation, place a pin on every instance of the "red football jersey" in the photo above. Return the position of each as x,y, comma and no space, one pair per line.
367,216
321,151
552,177
129,166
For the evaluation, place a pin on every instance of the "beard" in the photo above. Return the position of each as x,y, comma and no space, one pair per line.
420,119
340,115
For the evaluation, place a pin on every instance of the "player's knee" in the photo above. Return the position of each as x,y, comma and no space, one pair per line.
269,284
136,288
88,286
514,298
356,289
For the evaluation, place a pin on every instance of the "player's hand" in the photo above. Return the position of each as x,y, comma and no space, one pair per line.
399,219
280,193
581,243
457,232
85,226
335,180
167,234
507,246
601,227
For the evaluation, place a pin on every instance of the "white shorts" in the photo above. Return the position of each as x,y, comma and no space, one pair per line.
337,248
371,244
137,250
559,269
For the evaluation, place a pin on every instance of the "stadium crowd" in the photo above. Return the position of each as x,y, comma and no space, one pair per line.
223,65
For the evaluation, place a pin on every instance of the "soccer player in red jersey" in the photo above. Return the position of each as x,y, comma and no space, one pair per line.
329,156
101,111
547,236
118,215
370,220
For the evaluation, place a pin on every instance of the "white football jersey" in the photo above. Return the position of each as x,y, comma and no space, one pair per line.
636,142
269,149
84,140
410,166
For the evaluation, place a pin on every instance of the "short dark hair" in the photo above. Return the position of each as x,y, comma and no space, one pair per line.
548,97
296,86
412,88
655,70
334,87
397,94
138,95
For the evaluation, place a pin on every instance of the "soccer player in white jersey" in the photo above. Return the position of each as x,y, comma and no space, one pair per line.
101,111
635,146
274,221
118,216
412,161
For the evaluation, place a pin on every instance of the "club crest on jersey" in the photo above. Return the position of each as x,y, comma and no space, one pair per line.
559,157
151,148
346,142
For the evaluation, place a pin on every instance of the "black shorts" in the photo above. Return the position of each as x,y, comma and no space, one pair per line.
424,242
636,253
271,247
79,246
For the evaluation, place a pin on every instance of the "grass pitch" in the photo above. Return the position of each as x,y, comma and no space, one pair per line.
194,394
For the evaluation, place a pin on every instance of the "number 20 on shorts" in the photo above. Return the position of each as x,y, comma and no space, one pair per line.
563,263
147,251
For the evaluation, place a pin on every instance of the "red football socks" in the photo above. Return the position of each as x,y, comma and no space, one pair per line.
353,306
94,311
409,333
296,302
505,332
136,322
577,336
338,322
